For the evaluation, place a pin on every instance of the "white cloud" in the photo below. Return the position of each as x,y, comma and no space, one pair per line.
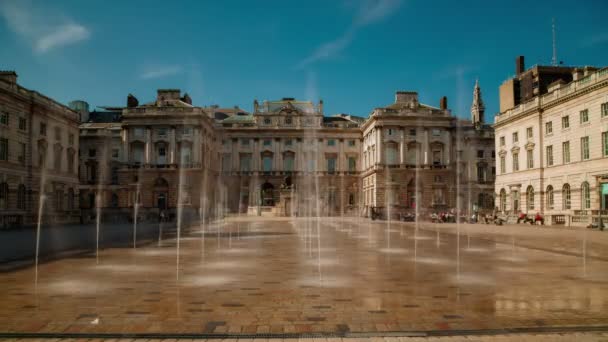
44,29
64,35
160,71
367,12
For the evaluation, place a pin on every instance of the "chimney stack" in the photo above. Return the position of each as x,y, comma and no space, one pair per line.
8,76
443,103
519,65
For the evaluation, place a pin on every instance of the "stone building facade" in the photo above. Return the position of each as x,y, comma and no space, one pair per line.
553,150
413,154
287,158
38,156
150,157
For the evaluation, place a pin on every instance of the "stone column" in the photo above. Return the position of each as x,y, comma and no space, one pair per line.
255,157
402,146
148,152
341,157
379,143
172,146
235,154
448,148
125,145
277,157
425,154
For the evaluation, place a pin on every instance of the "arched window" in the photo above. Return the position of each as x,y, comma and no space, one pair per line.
530,197
503,200
585,196
3,196
549,197
21,197
566,199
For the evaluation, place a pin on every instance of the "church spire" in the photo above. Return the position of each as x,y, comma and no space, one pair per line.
477,108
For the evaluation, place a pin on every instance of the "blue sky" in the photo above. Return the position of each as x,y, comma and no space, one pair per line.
352,54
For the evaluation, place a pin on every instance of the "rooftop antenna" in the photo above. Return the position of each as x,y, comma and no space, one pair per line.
554,59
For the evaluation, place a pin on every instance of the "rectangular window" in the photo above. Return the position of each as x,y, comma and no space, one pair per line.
529,132
502,141
186,130
436,132
565,122
530,157
493,154
245,162
22,124
515,137
92,152
584,115
515,161
605,144
71,139
267,163
58,133
114,153
331,164
604,107
22,153
479,153
226,162
413,132
566,151
288,142
481,174
332,142
138,132
503,167
549,155
3,149
352,164
584,148
549,127
267,142
161,132
245,142
42,130
4,118
351,143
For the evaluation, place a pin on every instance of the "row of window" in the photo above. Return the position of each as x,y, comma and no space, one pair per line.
162,132
565,120
288,163
289,142
585,155
549,197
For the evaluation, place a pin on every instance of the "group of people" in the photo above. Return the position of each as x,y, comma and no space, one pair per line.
443,217
527,219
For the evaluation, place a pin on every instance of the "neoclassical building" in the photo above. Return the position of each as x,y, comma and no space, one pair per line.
284,158
150,156
413,154
553,144
38,156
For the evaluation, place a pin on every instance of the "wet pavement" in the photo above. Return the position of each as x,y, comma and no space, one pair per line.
260,277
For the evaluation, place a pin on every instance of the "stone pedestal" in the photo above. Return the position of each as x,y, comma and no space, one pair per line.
286,206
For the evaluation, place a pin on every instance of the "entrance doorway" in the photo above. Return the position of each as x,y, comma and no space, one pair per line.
161,201
267,194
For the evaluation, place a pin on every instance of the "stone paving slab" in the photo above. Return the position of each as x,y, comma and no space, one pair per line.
306,276
567,337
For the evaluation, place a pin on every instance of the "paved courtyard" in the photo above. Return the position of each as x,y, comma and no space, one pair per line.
335,276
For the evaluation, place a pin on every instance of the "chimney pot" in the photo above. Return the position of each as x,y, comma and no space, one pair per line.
443,103
520,66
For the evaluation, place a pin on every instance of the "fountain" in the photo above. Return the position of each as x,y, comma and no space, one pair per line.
41,201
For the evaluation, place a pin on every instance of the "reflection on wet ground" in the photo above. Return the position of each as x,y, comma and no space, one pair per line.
294,276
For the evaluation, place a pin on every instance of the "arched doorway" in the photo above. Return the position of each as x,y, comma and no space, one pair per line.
267,194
